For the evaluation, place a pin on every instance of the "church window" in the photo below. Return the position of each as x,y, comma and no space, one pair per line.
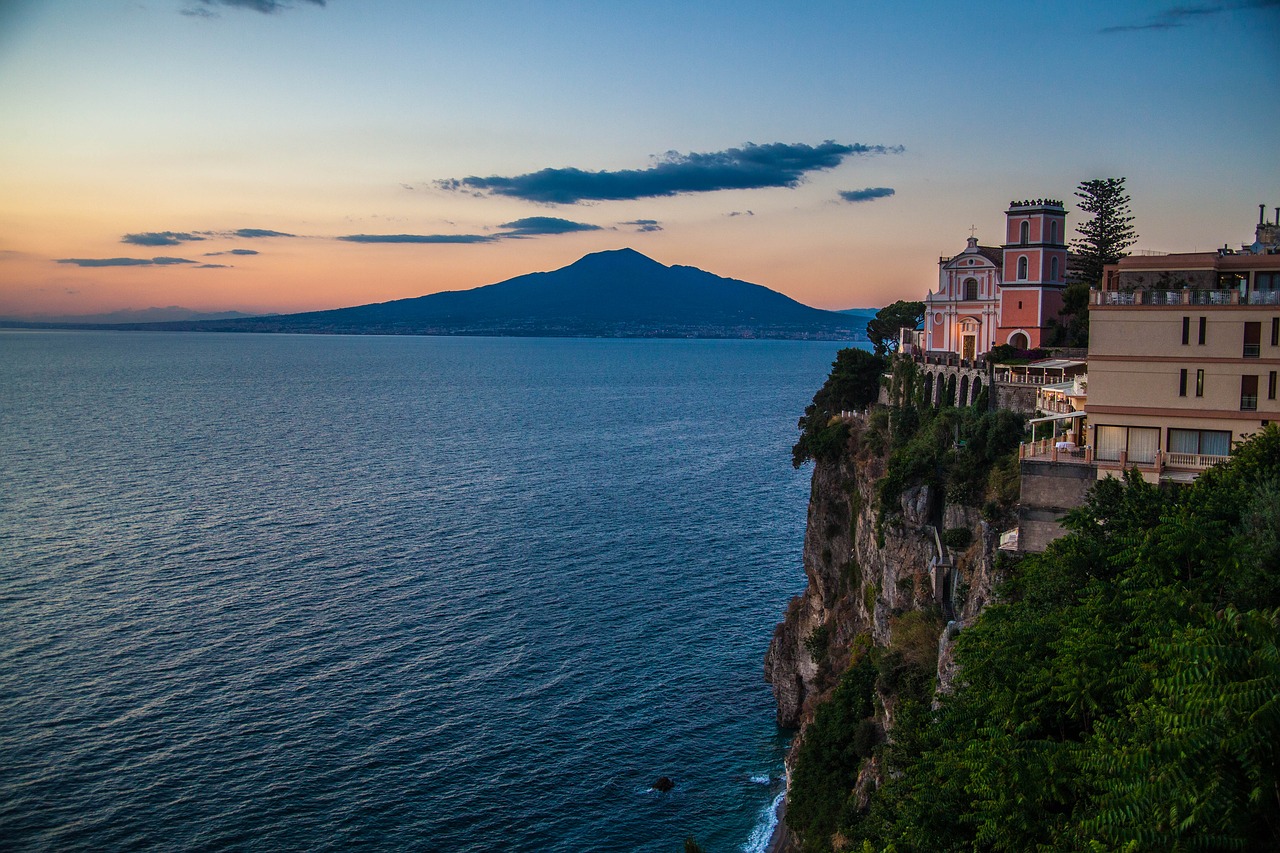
970,288
1022,268
1053,233
1025,235
1053,269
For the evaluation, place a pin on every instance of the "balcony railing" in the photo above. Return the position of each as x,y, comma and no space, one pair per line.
1252,350
1187,297
1198,461
1248,402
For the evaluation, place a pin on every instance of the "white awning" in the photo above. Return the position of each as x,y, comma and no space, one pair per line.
1062,417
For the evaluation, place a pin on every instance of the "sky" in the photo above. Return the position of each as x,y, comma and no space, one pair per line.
290,155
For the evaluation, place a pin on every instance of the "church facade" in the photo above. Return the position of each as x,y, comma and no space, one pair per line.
989,296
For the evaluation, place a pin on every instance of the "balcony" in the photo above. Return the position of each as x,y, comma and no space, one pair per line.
1248,402
1186,297
1252,351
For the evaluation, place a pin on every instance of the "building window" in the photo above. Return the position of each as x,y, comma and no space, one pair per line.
1201,442
1138,443
1182,382
970,288
1252,340
1275,331
1053,269
1200,383
1271,385
1024,236
1053,233
1202,330
1248,393
1186,330
1022,268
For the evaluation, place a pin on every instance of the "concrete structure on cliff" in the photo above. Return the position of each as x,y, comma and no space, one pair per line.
989,296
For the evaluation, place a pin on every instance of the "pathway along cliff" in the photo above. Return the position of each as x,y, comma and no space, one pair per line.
899,551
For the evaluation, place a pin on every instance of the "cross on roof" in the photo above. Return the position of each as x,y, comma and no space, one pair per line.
972,229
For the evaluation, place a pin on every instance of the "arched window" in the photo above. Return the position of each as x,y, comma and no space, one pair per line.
970,288
1018,340
1026,232
1022,268
1053,269
1053,232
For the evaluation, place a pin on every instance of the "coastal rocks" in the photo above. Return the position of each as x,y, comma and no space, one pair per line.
663,784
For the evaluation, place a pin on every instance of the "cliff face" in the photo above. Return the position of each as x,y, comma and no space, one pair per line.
861,583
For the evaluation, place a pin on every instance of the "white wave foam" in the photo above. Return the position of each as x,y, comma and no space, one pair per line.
765,825
761,779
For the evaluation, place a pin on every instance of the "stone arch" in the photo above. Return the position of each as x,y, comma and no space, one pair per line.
950,398
1019,340
1022,268
964,390
928,388
976,389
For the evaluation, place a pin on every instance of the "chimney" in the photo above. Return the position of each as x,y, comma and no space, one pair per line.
1262,214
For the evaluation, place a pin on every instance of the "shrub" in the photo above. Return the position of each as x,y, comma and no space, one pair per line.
958,538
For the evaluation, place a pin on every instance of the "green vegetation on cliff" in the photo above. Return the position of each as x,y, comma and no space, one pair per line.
1123,695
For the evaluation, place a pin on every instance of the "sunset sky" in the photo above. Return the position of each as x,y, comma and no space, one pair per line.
264,155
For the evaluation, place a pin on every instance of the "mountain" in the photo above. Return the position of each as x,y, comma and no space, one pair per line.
617,293
134,315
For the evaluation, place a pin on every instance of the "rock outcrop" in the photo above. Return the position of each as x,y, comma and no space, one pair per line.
863,573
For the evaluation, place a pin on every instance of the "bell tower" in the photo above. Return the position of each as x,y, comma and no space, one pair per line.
1034,271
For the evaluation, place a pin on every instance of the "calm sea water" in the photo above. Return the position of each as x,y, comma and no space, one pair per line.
331,593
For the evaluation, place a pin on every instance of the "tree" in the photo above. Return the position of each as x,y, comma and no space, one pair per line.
854,383
1105,237
883,329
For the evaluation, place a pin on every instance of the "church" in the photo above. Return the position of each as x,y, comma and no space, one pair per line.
989,296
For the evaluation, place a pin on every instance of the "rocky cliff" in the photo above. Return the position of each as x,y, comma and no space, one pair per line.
865,575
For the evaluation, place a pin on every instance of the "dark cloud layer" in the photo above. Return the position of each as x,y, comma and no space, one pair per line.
266,7
531,226
644,224
124,262
160,238
867,194
749,167
1180,16
534,226
233,252
250,233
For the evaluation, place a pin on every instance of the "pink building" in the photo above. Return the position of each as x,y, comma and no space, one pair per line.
989,296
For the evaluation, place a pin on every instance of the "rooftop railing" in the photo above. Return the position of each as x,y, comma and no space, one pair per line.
1186,297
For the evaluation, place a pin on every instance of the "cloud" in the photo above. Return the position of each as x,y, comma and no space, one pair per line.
160,238
644,224
213,267
530,226
534,226
124,262
419,238
266,7
752,166
867,194
741,213
1180,16
250,233
233,252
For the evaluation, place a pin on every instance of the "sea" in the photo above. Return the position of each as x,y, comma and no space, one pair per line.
293,592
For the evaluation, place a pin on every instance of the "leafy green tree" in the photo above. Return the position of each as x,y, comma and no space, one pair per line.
882,330
1106,236
854,383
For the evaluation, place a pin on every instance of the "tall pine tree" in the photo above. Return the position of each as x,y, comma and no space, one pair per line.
1104,238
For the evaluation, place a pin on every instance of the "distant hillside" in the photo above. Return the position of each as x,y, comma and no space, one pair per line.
619,293
133,315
